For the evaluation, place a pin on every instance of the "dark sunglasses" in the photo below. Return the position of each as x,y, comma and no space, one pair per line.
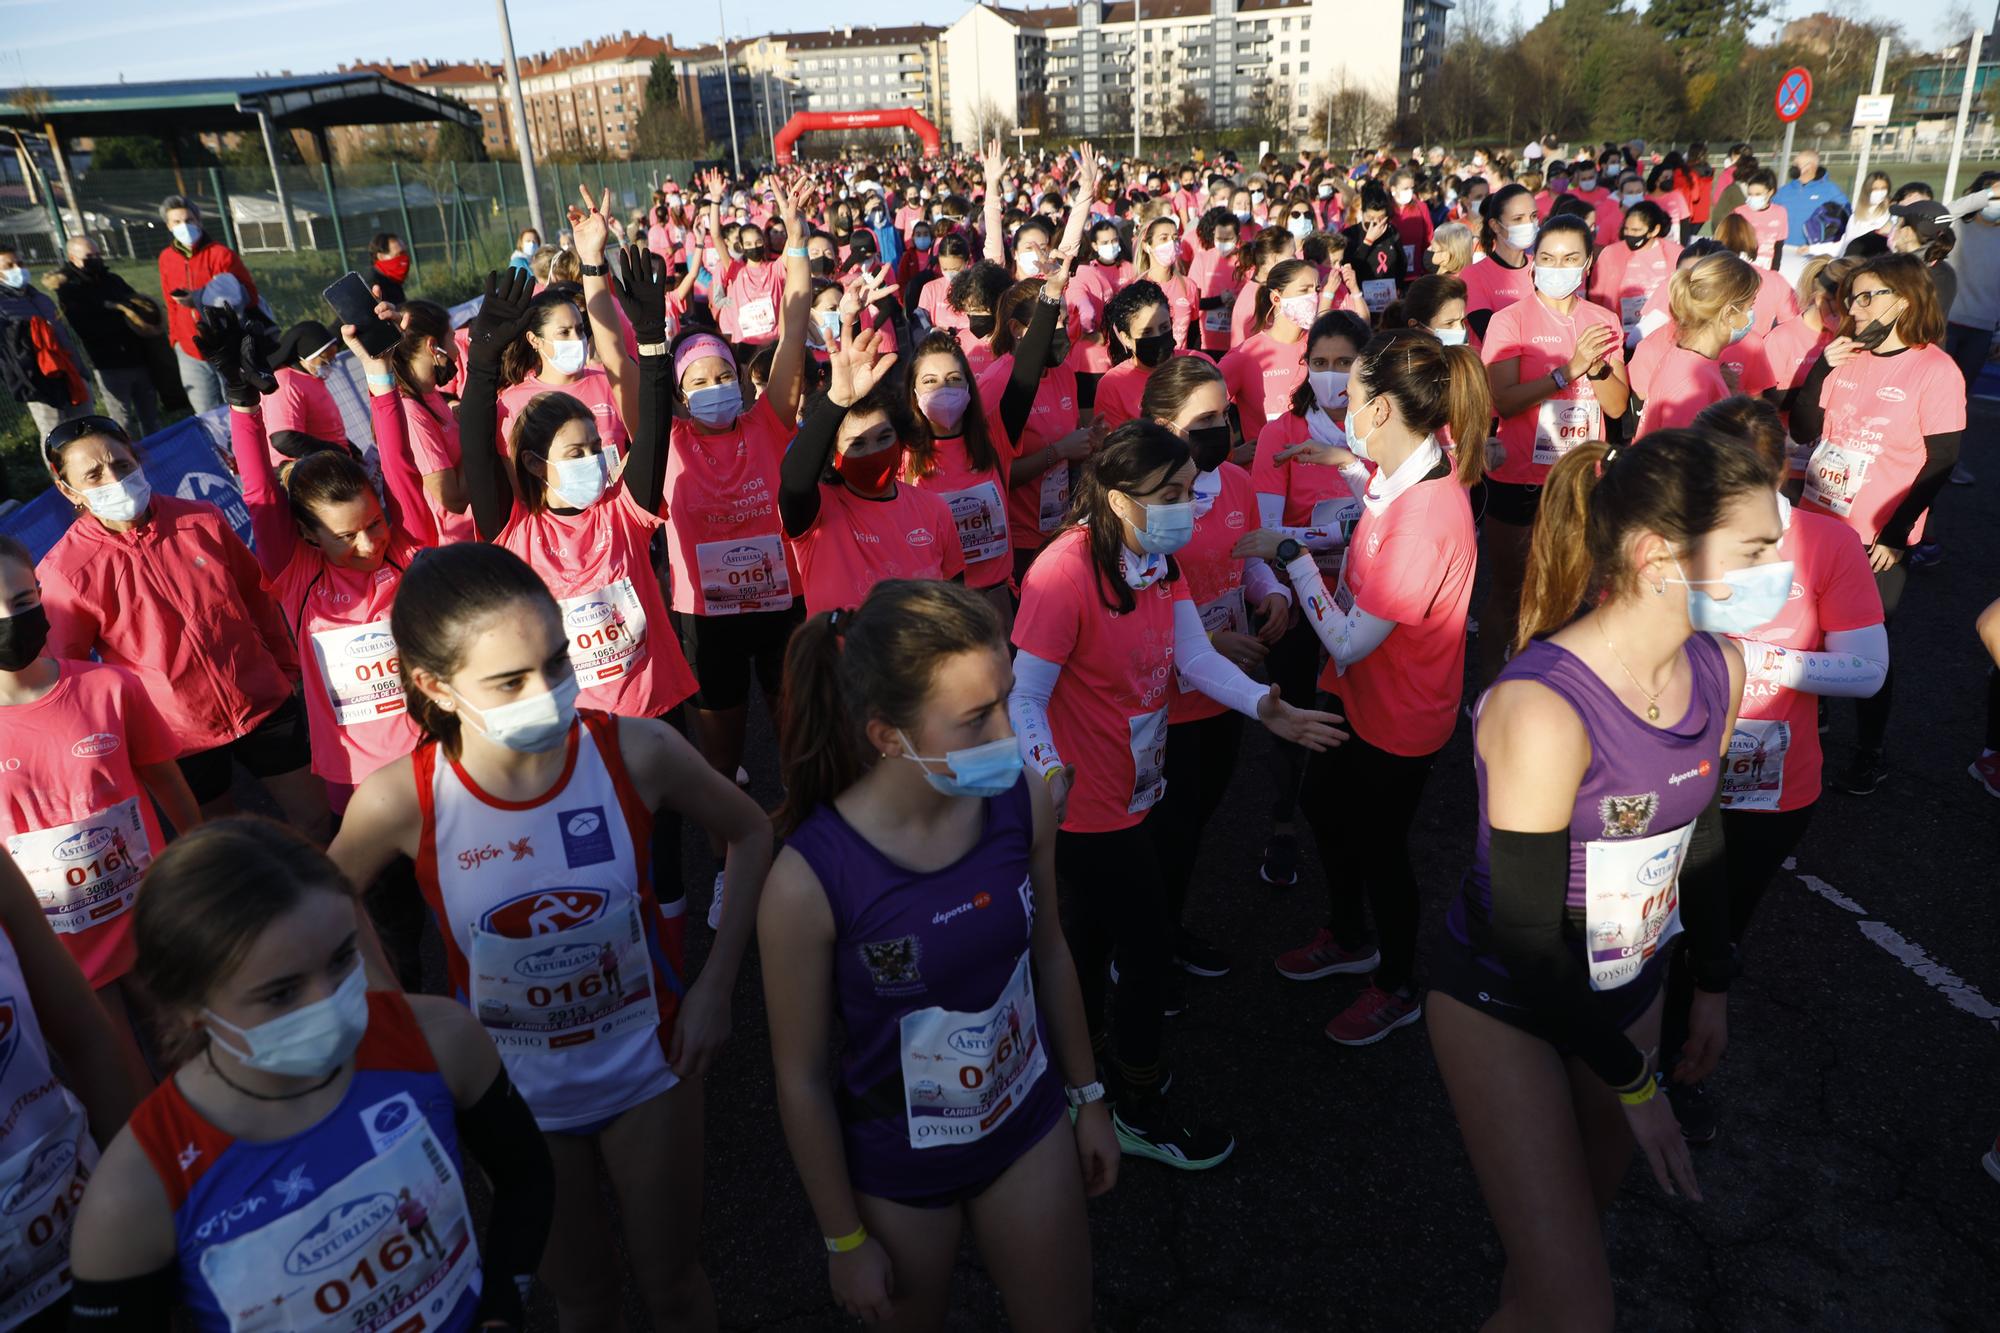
69,432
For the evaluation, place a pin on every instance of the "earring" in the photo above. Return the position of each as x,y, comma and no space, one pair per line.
1660,588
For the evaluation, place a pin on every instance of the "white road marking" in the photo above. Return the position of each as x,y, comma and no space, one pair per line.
1961,993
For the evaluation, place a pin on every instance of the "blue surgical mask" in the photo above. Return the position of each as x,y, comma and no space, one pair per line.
829,325
985,770
1300,227
921,242
1738,335
15,277
1450,337
310,1041
579,482
1990,210
1756,595
716,404
529,726
187,233
1168,527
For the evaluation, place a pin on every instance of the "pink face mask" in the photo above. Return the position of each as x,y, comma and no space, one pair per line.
945,405
1166,252
1301,309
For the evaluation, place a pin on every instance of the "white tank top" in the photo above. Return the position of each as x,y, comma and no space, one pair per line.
551,931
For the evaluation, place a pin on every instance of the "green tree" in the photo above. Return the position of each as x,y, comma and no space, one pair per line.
665,129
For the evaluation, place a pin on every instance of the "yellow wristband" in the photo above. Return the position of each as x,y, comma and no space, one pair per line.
1641,1095
853,1240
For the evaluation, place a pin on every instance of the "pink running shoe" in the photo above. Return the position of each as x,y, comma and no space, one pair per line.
1374,1014
1321,957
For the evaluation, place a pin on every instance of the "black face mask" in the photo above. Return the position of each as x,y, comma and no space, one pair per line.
754,254
1635,242
22,638
94,266
1151,351
1210,447
1871,335
821,266
981,325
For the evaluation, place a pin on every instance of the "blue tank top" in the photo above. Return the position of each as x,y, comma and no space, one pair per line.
945,1077
1635,809
357,1223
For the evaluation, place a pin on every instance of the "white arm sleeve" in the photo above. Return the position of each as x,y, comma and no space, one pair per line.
1853,665
1348,635
1259,582
1270,510
1196,659
1028,709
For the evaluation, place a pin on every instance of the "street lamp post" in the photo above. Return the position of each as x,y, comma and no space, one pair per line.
728,88
520,119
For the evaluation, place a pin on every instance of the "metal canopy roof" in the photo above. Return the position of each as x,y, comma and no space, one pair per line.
310,101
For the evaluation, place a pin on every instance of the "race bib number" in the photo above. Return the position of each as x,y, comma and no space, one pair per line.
1217,320
357,663
1630,308
756,318
1225,613
747,574
1149,760
40,1187
87,872
1339,514
981,519
1378,293
1561,424
607,632
1798,456
1753,774
964,1074
565,987
1632,902
1409,259
1055,497
1835,476
388,1247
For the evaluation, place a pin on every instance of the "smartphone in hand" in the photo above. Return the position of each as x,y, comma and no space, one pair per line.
355,304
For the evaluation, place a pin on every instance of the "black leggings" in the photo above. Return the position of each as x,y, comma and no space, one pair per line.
1114,902
1993,709
1201,759
1871,715
666,843
1293,665
1755,843
1361,802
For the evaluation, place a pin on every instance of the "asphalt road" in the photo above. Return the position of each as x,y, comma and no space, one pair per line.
1859,1090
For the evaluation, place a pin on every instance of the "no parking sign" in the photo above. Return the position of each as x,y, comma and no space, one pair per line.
1794,93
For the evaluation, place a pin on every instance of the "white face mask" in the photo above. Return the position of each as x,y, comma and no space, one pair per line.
123,500
1451,337
1877,196
1521,236
15,277
530,726
1403,197
1029,262
567,355
1557,282
578,482
1758,202
187,233
1357,444
1109,252
309,1042
1329,388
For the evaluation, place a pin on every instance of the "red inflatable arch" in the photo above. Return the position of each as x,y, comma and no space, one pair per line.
857,120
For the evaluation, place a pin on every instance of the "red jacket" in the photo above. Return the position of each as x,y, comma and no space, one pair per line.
180,602
1699,191
191,272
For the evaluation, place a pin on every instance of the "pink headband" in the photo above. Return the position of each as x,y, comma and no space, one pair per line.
697,347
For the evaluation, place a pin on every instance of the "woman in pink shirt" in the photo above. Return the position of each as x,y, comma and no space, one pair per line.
303,415
1394,630
1768,219
425,359
954,254
1507,274
1793,348
1160,264
132,574
1103,271
1627,274
1137,317
1264,368
1048,441
1776,302
951,450
1254,262
88,749
1106,619
1711,301
1215,276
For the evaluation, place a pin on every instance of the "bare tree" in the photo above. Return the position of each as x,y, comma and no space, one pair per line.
990,122
1351,114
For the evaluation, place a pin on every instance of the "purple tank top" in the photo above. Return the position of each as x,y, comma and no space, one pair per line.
944,1046
1643,783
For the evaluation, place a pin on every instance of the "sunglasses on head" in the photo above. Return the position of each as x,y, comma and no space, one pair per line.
69,432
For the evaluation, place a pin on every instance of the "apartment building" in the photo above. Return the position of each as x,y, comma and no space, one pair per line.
477,85
1075,68
852,68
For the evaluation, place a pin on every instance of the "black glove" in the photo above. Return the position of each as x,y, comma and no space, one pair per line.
232,351
503,316
640,283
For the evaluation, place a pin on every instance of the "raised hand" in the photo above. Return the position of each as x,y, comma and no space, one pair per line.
588,228
231,349
640,284
1058,277
503,316
855,364
995,162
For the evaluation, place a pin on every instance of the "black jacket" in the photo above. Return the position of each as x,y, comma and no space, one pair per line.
89,300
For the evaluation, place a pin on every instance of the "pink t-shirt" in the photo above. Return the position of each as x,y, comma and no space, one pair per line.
1314,496
1242,313
1771,224
1214,579
1037,507
1122,388
856,542
598,565
1260,374
591,387
1086,295
1791,349
1543,339
726,544
355,710
1214,277
302,403
73,814
1183,304
1491,285
1108,715
1413,564
1776,301
978,351
1878,411
433,432
1748,355
1677,385
932,301
978,502
1610,217
1774,757
1623,279
1674,202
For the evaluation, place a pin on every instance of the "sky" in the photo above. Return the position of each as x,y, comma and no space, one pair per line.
50,43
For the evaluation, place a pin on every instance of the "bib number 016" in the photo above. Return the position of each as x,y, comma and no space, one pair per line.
393,1255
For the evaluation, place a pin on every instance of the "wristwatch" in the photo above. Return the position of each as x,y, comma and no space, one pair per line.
1561,377
593,270
1288,551
1085,1095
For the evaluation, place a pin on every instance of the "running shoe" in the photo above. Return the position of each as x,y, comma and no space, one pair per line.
1862,775
1961,475
1694,1110
1281,861
1322,956
1992,1160
1374,1014
1986,771
742,777
1925,554
1196,955
1148,1127
715,905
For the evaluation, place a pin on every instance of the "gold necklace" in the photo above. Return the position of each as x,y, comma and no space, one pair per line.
1652,696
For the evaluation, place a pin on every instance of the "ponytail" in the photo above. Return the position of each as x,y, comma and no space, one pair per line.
1597,496
846,667
1468,412
1433,387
